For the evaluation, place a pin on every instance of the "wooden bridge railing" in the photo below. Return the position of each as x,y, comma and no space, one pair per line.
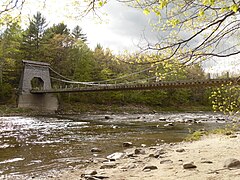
146,86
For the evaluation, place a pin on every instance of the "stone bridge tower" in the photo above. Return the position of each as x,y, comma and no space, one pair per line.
36,75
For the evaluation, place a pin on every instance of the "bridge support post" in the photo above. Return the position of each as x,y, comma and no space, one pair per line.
38,71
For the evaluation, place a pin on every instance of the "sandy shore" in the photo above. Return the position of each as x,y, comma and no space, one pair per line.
203,159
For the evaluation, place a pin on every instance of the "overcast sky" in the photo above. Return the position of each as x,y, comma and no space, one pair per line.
121,27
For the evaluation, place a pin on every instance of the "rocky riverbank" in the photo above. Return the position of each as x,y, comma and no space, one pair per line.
212,157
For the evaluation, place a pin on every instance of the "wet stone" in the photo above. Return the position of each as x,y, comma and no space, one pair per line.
107,117
96,149
168,124
127,144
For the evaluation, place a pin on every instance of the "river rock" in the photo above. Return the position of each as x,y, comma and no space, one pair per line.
115,156
95,149
232,163
168,124
99,160
180,150
129,166
139,151
90,172
149,168
127,144
189,165
167,161
107,117
157,153
108,165
206,161
162,119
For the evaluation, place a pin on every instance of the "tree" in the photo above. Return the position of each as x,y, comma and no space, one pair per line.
33,37
60,28
77,34
9,60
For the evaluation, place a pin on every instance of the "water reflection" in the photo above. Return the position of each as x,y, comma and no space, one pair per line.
38,144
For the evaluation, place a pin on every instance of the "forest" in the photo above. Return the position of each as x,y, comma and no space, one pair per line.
67,51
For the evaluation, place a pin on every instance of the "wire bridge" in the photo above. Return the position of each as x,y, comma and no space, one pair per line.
66,85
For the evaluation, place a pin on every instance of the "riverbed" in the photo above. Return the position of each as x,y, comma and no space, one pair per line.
35,146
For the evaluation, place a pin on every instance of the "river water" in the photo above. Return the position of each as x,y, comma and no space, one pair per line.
34,146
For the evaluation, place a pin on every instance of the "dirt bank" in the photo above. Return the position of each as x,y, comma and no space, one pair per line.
203,159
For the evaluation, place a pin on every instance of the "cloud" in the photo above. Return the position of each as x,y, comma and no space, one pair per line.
123,30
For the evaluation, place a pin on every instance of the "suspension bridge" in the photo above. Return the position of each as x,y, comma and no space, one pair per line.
42,96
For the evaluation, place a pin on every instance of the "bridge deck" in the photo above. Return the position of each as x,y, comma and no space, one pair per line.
146,86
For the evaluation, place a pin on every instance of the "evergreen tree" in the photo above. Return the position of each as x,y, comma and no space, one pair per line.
77,34
60,28
33,37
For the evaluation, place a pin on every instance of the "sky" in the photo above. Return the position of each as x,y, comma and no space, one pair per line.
120,28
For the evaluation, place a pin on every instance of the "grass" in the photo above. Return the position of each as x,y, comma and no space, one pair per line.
228,130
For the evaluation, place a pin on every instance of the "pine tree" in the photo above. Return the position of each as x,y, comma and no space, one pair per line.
33,37
77,34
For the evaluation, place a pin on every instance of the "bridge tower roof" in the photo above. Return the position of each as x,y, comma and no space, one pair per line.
35,63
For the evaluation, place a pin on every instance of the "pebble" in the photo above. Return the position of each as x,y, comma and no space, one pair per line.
167,161
139,151
149,167
189,165
232,163
90,172
207,162
107,117
108,165
95,149
157,153
180,150
168,124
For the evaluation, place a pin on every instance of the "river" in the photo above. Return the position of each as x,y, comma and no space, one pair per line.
36,146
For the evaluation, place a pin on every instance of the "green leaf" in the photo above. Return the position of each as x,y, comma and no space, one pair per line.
201,13
100,3
234,8
163,3
146,11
